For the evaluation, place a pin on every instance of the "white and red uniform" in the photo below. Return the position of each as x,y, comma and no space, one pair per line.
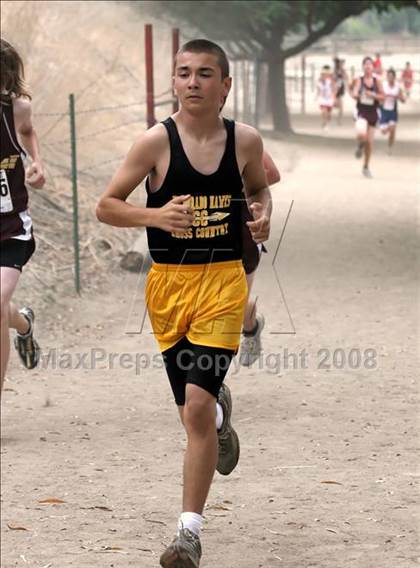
326,93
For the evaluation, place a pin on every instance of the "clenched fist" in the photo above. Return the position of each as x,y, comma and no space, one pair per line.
34,175
260,227
176,215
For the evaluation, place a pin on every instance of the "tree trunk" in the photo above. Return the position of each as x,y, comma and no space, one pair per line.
277,89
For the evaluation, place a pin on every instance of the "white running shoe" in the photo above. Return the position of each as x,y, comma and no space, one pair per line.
25,344
251,344
366,172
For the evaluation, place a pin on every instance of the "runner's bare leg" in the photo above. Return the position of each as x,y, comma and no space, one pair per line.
9,317
199,417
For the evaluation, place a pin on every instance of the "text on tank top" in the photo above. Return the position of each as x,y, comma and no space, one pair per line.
364,100
216,231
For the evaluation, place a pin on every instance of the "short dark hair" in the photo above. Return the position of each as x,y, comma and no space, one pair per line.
326,68
367,58
207,46
392,71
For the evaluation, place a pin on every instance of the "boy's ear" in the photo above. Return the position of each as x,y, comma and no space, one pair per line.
227,84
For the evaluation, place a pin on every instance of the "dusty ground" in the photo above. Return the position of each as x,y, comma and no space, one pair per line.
327,476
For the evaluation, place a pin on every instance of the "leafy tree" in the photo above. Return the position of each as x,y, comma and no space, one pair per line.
394,21
271,31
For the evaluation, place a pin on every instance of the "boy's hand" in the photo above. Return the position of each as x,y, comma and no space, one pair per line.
260,227
34,175
176,215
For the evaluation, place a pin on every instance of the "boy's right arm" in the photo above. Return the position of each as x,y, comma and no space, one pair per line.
113,208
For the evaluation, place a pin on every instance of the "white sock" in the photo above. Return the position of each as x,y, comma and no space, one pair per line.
190,521
219,416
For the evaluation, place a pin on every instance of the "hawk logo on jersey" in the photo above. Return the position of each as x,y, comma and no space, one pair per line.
9,163
217,216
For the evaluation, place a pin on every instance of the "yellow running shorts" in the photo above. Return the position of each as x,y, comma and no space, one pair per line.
204,302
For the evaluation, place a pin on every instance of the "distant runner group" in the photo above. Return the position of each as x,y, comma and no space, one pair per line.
376,101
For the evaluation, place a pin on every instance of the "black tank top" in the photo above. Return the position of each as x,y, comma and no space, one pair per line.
13,193
364,103
216,233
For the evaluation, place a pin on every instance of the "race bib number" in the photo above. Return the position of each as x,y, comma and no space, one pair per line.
6,204
365,100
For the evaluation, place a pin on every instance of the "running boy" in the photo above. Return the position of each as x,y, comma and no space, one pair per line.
326,95
368,92
389,108
254,321
407,79
196,164
18,140
341,81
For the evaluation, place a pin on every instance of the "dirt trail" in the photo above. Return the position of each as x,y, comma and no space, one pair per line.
327,476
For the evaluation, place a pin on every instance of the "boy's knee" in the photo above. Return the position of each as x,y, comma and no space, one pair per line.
199,414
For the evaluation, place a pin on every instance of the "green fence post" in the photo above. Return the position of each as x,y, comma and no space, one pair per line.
75,201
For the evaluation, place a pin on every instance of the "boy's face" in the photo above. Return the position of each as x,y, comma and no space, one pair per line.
198,82
368,66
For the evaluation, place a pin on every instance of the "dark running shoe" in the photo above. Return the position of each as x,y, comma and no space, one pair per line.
359,150
26,346
183,552
229,448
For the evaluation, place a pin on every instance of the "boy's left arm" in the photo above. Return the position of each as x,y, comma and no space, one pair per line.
256,188
271,170
401,96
